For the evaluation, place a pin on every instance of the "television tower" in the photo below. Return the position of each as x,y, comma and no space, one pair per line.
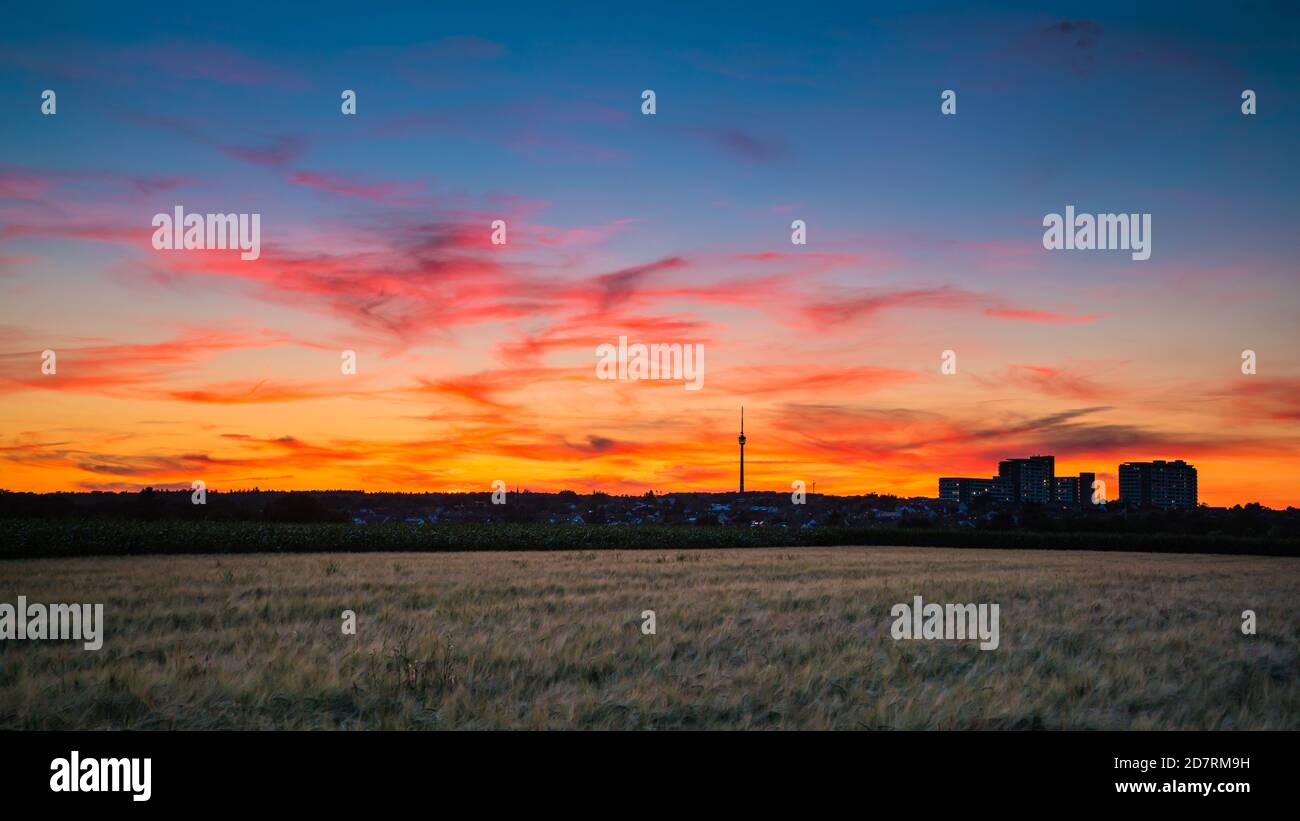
742,448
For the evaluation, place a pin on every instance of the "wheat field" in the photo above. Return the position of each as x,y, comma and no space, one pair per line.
793,638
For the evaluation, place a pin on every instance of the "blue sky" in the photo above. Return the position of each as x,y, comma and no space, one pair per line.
924,230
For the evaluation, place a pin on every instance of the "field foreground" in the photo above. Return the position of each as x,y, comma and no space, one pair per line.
794,638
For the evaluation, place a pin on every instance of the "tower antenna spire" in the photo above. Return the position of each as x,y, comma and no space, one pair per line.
742,448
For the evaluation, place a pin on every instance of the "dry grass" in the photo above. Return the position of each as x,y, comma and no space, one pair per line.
795,638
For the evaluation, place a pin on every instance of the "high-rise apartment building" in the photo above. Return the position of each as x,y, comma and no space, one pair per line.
1168,485
1032,479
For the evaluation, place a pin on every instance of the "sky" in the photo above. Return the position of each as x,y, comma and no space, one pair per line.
476,361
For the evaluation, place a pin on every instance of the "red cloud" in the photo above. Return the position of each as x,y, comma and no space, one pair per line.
1028,315
1054,382
344,186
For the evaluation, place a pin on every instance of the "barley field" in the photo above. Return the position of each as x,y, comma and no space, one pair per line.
794,638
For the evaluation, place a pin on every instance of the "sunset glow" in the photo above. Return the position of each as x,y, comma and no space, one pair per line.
477,362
